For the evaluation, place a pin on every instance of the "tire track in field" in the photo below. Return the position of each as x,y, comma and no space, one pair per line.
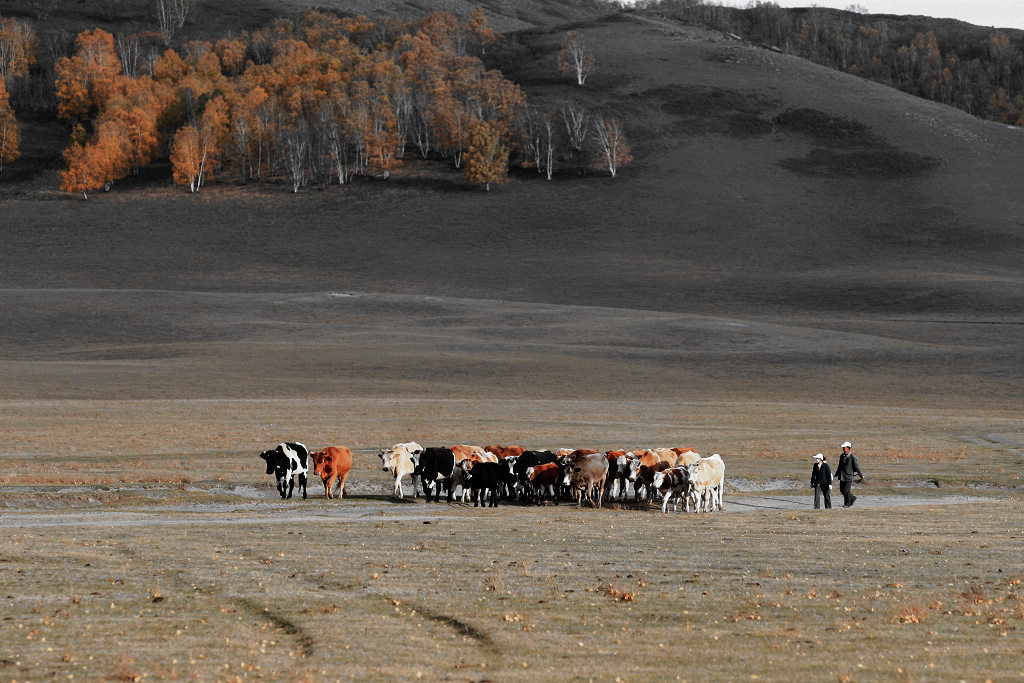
467,630
305,642
301,636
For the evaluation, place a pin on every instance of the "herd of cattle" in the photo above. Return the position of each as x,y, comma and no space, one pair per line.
674,475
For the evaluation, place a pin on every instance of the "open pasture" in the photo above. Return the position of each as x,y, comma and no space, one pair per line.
183,563
299,591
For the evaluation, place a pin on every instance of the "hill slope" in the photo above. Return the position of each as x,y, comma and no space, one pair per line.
786,232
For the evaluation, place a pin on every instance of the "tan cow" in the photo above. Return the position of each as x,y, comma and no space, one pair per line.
333,464
464,452
401,460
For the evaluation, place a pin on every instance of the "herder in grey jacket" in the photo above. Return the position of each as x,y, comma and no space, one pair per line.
821,482
845,469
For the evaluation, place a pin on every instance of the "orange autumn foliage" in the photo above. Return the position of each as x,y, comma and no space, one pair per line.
10,136
86,80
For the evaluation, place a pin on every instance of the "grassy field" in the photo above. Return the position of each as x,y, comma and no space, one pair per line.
517,594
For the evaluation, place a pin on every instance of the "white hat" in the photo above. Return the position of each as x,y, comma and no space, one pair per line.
847,444
819,456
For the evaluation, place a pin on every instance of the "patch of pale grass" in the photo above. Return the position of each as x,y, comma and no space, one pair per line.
895,454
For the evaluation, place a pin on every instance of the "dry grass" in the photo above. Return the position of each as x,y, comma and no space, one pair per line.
897,455
260,600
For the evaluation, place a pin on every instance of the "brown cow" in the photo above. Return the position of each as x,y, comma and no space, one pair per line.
545,480
505,451
333,463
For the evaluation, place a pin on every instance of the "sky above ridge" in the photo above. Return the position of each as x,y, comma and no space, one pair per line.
997,13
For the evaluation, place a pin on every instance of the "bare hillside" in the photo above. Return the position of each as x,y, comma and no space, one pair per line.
785,232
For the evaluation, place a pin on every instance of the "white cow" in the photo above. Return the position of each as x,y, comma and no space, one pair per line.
707,481
400,460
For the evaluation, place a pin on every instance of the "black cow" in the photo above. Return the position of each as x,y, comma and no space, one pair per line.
435,471
289,462
484,477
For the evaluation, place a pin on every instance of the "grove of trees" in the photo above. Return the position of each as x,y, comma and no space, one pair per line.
313,102
972,68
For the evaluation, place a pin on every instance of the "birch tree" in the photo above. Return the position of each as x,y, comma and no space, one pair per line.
575,58
612,149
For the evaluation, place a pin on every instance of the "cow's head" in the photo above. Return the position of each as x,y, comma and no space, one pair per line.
321,464
270,457
659,480
634,468
565,472
387,459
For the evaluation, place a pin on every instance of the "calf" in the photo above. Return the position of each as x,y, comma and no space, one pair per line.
612,484
288,463
460,477
332,464
543,480
401,460
436,468
644,478
585,474
530,459
484,477
672,482
508,476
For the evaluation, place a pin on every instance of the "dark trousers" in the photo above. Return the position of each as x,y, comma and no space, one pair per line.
822,492
844,487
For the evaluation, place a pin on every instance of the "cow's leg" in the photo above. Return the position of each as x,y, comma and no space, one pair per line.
302,485
341,485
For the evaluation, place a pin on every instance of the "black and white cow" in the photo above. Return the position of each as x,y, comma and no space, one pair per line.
289,463
435,469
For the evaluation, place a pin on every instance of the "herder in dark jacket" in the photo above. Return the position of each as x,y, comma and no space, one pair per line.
845,469
821,482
